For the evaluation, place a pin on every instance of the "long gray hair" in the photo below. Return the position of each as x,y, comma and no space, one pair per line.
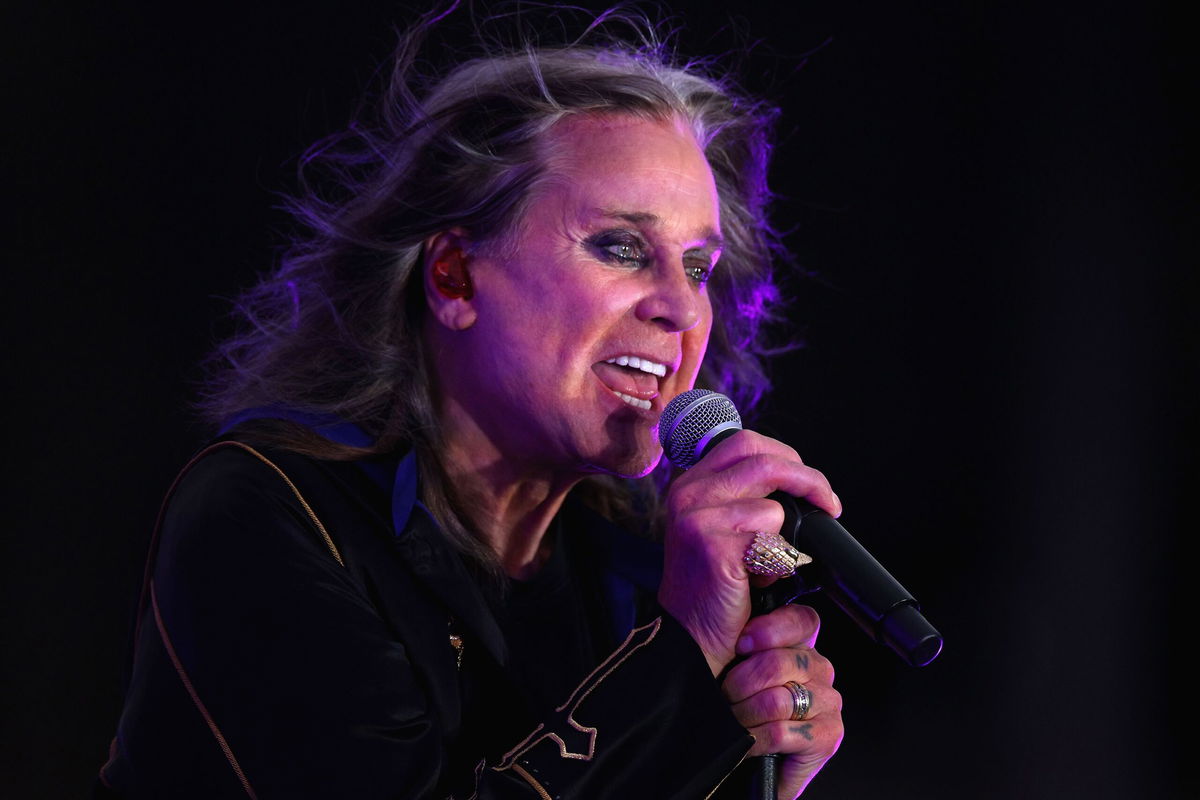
335,329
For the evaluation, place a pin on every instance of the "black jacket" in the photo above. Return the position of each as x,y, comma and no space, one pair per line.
306,631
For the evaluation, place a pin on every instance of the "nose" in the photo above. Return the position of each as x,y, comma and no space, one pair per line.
672,300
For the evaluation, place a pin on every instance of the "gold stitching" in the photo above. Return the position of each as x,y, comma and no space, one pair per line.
311,514
727,774
537,787
191,690
615,660
148,594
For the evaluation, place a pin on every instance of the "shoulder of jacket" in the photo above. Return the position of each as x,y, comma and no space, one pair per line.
250,465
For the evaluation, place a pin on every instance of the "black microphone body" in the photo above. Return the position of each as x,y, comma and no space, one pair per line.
697,421
847,574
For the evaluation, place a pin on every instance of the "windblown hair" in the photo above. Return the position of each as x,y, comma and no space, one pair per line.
336,328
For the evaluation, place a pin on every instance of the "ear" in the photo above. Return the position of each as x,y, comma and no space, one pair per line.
448,288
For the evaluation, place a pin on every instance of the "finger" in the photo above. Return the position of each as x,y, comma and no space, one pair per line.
742,444
760,475
711,543
819,736
776,705
787,626
742,516
749,463
769,668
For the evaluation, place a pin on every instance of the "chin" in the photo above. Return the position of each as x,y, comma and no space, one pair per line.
637,463
627,445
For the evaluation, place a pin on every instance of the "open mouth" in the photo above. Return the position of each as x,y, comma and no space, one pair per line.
632,378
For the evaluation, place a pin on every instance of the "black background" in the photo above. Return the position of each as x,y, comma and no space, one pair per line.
990,200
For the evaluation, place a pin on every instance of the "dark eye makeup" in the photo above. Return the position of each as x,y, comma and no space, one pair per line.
621,247
627,248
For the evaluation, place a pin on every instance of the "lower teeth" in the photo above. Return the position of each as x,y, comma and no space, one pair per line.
633,401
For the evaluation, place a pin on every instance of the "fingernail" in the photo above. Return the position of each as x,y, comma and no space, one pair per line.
837,500
744,645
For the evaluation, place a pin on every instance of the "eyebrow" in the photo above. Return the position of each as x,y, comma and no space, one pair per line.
712,239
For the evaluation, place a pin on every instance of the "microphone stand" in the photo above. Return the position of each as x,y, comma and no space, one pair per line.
764,777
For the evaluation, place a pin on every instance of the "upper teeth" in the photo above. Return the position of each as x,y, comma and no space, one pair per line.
644,364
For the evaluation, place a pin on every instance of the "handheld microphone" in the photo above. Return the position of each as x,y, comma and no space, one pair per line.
695,422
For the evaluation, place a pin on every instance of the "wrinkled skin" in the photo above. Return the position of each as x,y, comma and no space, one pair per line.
713,511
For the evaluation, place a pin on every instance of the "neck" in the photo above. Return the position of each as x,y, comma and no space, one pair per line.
507,502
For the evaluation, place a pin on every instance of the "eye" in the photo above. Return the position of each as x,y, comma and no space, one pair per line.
623,248
698,268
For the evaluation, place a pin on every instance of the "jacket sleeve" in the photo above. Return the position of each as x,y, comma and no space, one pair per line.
649,722
263,670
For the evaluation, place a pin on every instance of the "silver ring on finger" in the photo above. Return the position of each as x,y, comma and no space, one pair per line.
801,699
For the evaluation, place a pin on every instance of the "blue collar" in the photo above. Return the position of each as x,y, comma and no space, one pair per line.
403,482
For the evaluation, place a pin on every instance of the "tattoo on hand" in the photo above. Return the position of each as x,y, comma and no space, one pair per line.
804,730
802,661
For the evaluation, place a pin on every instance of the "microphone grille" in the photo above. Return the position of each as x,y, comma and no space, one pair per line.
690,420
